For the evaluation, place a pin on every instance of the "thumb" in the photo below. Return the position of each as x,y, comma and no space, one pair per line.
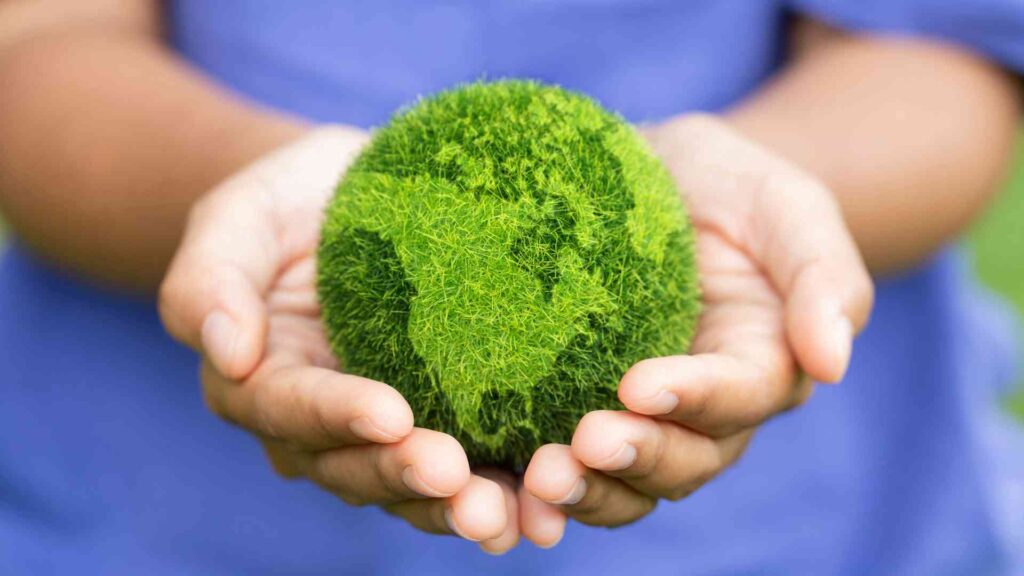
212,298
813,260
235,244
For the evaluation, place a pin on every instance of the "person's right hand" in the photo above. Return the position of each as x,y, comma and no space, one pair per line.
241,291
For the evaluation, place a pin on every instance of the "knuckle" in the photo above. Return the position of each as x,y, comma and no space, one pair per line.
802,393
315,408
391,481
642,507
283,470
170,298
263,414
333,472
321,470
166,297
351,498
704,475
697,401
766,399
620,522
213,396
394,509
686,489
345,495
586,508
677,493
213,403
704,471
281,464
648,506
864,298
651,453
591,503
641,469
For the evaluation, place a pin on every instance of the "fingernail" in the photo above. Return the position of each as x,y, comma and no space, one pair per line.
416,484
579,489
449,519
365,428
551,545
492,552
219,335
621,460
662,403
843,344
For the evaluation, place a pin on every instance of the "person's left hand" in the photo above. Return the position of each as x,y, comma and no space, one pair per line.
784,290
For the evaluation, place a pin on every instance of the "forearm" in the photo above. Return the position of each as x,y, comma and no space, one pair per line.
912,137
106,141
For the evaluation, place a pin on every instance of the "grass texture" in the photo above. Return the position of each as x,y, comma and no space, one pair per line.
501,253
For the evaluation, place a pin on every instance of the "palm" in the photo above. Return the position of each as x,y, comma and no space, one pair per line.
744,315
297,189
782,285
294,330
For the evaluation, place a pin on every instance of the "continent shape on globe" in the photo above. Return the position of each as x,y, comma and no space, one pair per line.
501,253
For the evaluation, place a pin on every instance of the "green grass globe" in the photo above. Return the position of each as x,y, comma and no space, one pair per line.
501,253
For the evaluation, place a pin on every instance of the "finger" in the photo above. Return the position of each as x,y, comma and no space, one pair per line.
510,537
540,522
426,464
311,407
211,298
657,458
813,260
476,513
718,394
235,242
557,477
282,458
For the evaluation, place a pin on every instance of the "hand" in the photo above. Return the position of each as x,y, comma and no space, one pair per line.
784,289
241,291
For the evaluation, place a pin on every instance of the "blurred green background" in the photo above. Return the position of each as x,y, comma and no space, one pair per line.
998,242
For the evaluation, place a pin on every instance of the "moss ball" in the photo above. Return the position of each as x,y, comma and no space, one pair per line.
501,253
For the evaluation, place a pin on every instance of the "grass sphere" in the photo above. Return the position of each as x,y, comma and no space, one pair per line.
501,253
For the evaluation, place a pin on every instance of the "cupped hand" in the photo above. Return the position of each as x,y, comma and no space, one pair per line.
241,291
784,292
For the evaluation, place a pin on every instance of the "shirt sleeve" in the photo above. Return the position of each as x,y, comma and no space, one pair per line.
992,28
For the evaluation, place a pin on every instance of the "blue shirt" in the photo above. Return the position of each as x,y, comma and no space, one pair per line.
109,463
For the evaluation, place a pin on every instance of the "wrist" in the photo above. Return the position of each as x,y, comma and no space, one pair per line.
313,159
672,136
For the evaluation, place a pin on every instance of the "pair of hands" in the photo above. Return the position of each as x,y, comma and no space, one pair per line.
784,292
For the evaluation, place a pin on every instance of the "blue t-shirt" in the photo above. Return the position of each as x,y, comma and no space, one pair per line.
109,463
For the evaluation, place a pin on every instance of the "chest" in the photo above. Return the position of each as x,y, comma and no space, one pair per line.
357,61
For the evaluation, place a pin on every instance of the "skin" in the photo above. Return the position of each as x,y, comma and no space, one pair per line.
924,127
778,296
141,136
